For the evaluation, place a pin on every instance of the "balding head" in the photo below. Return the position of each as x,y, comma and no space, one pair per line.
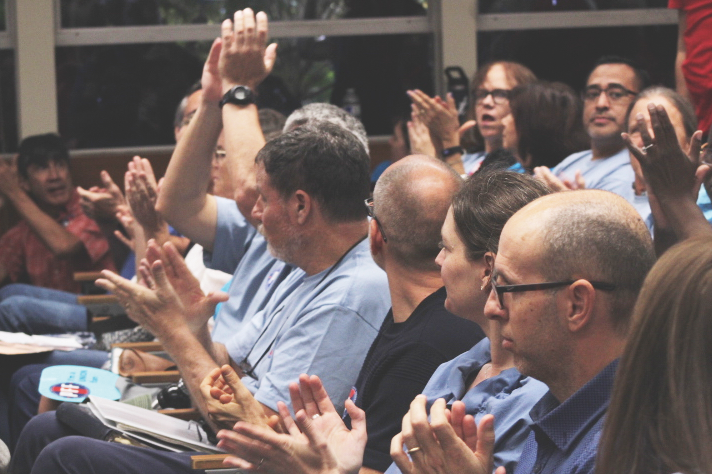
591,234
411,199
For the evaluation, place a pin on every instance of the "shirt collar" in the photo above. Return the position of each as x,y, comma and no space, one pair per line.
564,423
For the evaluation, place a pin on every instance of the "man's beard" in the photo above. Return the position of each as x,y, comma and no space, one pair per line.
289,250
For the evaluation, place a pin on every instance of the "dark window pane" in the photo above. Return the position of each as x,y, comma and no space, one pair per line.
2,15
8,103
567,55
518,6
92,13
126,95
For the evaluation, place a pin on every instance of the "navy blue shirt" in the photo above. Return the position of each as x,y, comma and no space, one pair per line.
564,437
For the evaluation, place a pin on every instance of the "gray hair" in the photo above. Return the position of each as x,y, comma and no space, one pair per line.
321,112
272,123
689,119
411,200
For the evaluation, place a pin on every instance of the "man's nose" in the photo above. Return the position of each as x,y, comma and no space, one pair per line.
493,310
602,102
53,171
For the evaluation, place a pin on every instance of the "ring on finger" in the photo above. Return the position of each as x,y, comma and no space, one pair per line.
413,450
647,147
315,416
259,465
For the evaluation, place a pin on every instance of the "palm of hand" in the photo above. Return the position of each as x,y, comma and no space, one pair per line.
154,309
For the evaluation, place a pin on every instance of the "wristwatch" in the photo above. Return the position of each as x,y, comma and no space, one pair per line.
239,95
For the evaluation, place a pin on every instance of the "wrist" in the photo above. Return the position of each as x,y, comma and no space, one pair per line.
451,141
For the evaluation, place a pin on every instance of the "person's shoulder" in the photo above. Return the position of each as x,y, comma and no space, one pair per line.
356,275
355,284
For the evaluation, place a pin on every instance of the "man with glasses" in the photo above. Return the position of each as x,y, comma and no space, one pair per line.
564,284
611,87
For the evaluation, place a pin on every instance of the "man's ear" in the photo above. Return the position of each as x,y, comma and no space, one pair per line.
302,206
581,299
375,237
488,260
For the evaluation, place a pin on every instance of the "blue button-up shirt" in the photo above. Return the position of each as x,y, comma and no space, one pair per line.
564,437
509,396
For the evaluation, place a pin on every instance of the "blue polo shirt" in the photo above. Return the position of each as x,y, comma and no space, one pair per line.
564,437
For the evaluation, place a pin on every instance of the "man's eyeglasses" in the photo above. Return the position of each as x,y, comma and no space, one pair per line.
369,206
219,154
499,96
500,290
614,93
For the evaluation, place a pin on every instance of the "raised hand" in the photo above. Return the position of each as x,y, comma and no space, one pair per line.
9,180
669,171
448,444
440,116
318,443
198,306
102,203
419,136
157,306
245,58
229,401
141,193
210,81
132,228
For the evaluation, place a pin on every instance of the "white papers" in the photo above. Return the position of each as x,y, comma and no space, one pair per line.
64,342
134,420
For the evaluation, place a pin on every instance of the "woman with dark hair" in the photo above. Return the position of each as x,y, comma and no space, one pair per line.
545,124
660,416
489,101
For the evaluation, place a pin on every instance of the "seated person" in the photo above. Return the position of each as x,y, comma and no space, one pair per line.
55,238
409,205
610,88
484,378
323,318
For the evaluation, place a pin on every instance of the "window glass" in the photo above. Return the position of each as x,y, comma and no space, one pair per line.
519,6
2,15
567,55
126,95
93,13
8,101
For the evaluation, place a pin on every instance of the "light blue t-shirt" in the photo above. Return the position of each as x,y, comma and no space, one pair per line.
257,274
323,327
472,161
508,396
613,174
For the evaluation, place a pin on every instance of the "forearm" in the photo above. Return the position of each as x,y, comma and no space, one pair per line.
194,363
686,219
184,201
60,241
243,140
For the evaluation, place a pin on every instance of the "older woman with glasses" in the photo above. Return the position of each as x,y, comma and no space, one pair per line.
489,99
